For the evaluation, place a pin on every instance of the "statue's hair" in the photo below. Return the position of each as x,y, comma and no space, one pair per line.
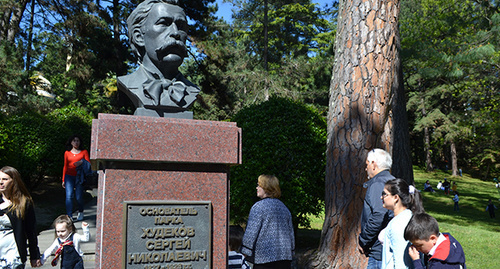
137,19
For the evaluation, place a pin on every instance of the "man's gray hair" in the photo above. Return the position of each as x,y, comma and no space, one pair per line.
137,19
381,157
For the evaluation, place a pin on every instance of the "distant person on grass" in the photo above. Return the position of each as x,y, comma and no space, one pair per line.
442,248
455,200
446,186
454,187
428,187
374,217
439,185
491,209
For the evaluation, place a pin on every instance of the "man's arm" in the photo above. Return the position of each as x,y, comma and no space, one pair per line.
376,219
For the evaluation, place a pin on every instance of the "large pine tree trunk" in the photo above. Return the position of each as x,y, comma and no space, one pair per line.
365,80
400,138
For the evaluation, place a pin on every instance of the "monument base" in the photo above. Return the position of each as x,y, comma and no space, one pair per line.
163,191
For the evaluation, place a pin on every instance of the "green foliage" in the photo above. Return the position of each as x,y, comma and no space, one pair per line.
286,139
35,144
11,68
231,78
293,29
450,58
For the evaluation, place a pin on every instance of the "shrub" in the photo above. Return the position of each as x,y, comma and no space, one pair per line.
34,143
287,139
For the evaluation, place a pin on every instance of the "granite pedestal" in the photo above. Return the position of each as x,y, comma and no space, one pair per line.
173,177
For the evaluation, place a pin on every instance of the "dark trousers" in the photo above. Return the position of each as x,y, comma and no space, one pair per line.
70,259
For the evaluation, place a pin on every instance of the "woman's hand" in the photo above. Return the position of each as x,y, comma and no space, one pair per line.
36,263
63,185
78,163
413,252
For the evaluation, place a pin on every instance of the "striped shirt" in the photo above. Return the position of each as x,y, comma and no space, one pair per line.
237,261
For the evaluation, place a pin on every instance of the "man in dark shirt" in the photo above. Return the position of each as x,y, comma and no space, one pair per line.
374,217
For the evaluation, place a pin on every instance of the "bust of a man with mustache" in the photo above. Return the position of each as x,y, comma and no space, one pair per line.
158,33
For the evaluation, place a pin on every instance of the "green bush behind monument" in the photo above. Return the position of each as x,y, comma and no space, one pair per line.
35,143
287,139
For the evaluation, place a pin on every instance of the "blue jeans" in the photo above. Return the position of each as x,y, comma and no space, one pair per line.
374,263
73,188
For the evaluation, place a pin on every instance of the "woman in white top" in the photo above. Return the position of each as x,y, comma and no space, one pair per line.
405,201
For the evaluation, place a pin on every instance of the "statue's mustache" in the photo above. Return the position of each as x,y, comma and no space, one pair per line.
173,44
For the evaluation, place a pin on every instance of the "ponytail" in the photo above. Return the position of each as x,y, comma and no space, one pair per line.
410,197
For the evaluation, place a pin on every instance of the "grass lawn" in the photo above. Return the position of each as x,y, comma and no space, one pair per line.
471,226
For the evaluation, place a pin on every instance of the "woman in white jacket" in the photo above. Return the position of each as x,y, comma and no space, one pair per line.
405,201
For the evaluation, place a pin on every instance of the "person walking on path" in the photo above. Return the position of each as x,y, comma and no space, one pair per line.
66,246
17,222
374,217
73,158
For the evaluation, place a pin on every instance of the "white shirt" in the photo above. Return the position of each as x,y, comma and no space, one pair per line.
395,247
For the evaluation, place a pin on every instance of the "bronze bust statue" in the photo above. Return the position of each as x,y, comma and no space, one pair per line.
157,31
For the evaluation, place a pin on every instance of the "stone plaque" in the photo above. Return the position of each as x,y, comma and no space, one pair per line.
167,234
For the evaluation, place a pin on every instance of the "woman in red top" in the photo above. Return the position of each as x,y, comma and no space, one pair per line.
73,157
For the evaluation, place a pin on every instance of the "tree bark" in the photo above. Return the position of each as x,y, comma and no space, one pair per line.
454,165
400,139
116,35
364,84
30,38
10,18
427,142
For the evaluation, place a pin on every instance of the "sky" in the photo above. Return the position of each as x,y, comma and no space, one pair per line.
225,8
